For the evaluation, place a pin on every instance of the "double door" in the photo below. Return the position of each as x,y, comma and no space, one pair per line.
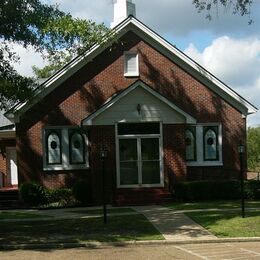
140,162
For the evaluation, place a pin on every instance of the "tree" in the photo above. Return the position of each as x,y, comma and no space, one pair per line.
242,7
253,144
57,35
73,36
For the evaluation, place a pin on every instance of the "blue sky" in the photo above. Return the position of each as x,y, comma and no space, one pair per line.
226,46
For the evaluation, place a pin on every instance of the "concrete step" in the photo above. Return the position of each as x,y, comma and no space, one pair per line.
142,196
9,199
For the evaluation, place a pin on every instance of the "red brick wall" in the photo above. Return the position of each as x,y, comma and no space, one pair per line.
174,154
91,86
102,136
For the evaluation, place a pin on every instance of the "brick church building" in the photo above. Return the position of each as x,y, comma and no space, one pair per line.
161,117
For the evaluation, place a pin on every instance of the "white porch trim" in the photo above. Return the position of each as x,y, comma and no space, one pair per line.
110,102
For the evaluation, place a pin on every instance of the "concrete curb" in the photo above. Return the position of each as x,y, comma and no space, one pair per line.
100,245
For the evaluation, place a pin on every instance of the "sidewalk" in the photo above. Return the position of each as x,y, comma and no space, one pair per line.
174,225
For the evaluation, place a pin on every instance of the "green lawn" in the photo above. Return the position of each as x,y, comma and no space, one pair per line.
20,215
119,228
229,223
100,211
213,205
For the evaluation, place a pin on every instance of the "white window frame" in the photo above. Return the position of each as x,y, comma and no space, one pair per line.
200,147
65,151
135,73
139,137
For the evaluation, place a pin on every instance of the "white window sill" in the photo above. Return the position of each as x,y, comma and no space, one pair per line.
131,74
65,168
207,163
141,186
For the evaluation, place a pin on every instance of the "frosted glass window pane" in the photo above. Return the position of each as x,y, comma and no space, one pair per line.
53,149
210,144
190,145
77,148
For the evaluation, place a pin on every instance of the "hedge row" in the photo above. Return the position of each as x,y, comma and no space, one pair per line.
33,194
215,190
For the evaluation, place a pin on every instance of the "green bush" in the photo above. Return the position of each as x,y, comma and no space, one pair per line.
33,194
82,192
207,190
62,196
252,189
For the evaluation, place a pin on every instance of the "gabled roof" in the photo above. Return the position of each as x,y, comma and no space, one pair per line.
4,122
114,99
145,33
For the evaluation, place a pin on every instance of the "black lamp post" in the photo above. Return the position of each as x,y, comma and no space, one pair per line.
241,150
103,156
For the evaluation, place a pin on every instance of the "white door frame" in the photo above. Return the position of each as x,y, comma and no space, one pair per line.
139,137
11,163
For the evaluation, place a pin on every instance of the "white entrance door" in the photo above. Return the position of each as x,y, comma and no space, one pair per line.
12,165
139,155
140,162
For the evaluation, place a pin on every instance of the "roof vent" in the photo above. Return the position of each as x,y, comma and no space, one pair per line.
122,9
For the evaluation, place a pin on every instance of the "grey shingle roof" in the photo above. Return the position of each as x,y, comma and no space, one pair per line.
4,122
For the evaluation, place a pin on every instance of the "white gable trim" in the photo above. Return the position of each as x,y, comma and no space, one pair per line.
89,120
132,24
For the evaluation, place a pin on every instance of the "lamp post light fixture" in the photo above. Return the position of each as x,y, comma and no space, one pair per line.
103,156
241,150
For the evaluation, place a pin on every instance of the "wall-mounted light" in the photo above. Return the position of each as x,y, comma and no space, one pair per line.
138,109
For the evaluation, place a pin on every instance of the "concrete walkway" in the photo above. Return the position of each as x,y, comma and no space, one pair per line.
174,225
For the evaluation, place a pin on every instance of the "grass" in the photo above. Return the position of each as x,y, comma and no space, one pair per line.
100,211
118,228
20,215
229,223
213,205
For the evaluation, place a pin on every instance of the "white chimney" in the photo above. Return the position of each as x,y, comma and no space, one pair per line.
122,9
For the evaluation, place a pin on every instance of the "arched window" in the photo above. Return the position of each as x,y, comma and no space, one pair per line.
190,141
210,141
77,148
53,148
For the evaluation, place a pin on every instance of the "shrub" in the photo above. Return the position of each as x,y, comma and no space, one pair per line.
82,192
33,194
63,196
207,190
252,189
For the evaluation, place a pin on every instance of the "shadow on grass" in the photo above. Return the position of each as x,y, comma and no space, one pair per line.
100,211
77,231
20,215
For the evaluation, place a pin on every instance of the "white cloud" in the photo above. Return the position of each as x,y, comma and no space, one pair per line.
98,11
236,62
28,58
176,17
